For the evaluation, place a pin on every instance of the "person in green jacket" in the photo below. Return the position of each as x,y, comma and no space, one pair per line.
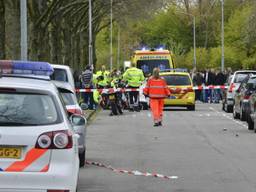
134,78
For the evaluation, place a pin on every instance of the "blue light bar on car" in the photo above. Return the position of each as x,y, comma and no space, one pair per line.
25,68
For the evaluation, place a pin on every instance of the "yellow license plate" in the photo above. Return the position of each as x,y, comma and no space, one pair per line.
10,152
111,97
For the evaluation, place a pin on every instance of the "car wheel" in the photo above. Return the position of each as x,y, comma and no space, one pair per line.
229,108
250,123
191,108
82,158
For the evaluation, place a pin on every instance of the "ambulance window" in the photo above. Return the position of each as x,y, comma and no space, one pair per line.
147,66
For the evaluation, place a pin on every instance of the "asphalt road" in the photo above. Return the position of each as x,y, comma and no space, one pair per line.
206,149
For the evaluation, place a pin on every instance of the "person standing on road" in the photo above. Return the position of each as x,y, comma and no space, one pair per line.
198,81
87,83
157,90
134,77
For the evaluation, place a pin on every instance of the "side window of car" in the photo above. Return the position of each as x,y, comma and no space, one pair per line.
63,103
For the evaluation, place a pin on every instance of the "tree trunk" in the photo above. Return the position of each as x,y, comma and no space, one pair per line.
2,30
67,41
76,51
12,29
55,41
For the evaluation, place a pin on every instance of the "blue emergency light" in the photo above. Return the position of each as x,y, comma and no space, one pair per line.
14,67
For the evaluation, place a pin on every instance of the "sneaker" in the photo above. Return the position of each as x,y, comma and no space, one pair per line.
160,123
156,124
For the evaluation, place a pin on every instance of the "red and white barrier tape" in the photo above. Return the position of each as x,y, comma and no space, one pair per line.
105,90
129,89
210,87
136,173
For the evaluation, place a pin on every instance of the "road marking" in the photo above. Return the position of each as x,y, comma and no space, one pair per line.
135,172
229,117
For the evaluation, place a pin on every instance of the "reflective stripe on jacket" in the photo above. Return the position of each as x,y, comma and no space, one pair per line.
156,88
134,76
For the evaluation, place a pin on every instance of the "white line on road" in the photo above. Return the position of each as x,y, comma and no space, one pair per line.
229,117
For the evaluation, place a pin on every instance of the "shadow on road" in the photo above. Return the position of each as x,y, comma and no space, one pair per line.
175,109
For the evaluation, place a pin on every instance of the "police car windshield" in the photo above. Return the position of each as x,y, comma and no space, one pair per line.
177,80
27,109
147,66
59,75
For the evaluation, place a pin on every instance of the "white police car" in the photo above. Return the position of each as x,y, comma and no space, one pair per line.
38,147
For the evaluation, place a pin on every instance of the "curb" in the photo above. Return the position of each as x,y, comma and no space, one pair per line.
90,114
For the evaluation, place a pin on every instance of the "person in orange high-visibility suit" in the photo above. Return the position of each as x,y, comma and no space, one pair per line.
157,90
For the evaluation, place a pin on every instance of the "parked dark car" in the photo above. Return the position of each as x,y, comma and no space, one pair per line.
241,97
251,113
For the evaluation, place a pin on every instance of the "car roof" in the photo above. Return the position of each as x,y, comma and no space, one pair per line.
58,66
27,83
245,71
174,73
63,85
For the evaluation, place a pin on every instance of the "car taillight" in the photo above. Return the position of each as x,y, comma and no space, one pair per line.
246,96
190,89
44,141
55,140
75,111
230,90
60,140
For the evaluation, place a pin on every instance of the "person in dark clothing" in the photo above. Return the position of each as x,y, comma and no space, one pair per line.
87,83
220,80
76,76
209,79
198,81
78,84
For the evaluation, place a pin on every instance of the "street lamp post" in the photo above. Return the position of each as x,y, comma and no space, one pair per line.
118,47
194,39
194,35
90,35
23,30
222,37
111,35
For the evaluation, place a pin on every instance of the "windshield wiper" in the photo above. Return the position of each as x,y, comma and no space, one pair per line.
15,124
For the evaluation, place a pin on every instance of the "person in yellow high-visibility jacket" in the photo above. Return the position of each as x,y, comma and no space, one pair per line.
134,78
105,74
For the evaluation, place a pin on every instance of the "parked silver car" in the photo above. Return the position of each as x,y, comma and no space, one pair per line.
70,101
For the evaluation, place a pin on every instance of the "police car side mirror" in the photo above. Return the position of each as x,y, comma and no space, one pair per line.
77,120
84,106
